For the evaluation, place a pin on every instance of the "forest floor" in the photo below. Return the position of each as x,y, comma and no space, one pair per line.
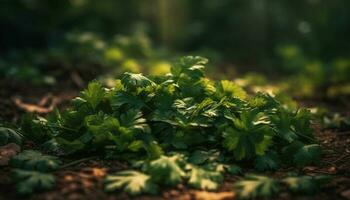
84,179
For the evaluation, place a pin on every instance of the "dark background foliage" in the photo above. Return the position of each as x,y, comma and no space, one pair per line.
245,31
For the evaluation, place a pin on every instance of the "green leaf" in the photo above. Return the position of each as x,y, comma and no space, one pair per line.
192,66
122,98
282,121
94,94
253,186
302,125
166,170
263,102
302,154
8,135
248,137
153,149
101,128
306,184
199,157
308,154
233,169
132,81
230,89
201,178
132,182
70,147
29,181
135,145
35,128
133,120
34,160
269,161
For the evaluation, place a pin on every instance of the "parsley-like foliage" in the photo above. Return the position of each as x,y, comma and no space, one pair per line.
212,124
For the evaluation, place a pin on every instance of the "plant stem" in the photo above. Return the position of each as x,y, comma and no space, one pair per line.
77,162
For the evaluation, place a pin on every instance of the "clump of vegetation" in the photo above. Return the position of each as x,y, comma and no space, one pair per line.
253,186
179,127
31,171
86,53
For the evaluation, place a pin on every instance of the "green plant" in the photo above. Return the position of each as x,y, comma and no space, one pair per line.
34,160
253,186
8,135
182,127
133,182
32,171
30,181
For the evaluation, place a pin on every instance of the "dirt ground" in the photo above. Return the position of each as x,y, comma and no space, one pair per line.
84,180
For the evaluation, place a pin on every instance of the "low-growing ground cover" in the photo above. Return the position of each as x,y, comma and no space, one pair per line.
149,135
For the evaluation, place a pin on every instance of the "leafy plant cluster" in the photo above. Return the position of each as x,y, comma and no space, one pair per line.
332,77
253,186
84,52
329,79
32,171
8,135
178,127
170,171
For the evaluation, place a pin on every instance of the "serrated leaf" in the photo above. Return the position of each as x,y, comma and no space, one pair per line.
305,184
233,169
93,94
35,128
247,138
8,135
302,154
199,157
269,161
201,178
253,186
308,154
154,150
35,160
166,170
133,119
70,147
192,66
282,121
132,182
135,145
29,181
132,81
122,98
302,125
230,89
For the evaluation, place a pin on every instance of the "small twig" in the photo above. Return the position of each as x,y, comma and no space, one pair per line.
77,79
35,108
77,162
343,133
331,163
45,99
61,127
340,158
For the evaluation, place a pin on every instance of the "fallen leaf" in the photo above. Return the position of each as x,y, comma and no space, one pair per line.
99,172
35,108
346,194
332,170
7,152
77,79
203,195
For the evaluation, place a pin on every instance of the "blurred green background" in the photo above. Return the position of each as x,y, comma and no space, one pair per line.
304,44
